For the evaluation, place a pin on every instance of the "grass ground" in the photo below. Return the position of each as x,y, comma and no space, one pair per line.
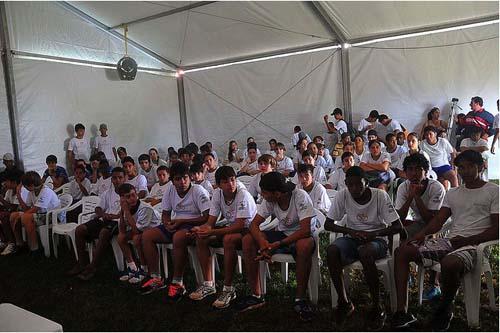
38,284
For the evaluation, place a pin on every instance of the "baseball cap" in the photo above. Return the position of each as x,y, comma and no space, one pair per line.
8,157
103,126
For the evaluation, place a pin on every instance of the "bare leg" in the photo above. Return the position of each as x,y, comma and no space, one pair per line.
336,272
402,258
251,266
304,248
149,240
231,243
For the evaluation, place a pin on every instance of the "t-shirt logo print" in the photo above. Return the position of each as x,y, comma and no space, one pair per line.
363,217
286,221
242,205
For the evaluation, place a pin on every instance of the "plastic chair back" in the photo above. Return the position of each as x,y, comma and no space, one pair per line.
89,205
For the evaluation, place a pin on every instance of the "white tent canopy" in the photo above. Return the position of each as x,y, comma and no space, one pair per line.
264,99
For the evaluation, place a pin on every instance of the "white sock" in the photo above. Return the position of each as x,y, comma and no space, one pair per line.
177,281
155,275
132,266
209,283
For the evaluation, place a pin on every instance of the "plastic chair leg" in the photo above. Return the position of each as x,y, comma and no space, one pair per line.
284,272
333,294
196,264
263,268
240,265
118,254
44,238
55,243
472,288
72,236
314,281
420,280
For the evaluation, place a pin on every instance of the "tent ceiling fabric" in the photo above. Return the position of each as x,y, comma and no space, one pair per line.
230,29
363,19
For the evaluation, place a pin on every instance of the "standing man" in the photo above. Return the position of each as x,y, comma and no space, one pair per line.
106,144
478,117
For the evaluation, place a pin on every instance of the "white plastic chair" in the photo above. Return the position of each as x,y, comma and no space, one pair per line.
193,259
63,189
88,203
314,276
384,265
43,230
246,180
471,284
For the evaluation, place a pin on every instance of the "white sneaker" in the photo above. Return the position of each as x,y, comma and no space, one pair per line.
10,249
224,299
202,292
3,246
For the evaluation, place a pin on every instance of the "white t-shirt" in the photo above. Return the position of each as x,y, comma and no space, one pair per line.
432,198
46,200
396,154
471,209
364,124
110,202
439,152
341,126
207,186
469,143
139,182
285,164
11,197
297,159
378,213
146,217
319,197
103,185
319,176
295,138
329,161
192,205
158,190
320,161
242,207
252,166
105,144
300,207
151,176
271,152
75,191
337,179
81,148
210,176
384,157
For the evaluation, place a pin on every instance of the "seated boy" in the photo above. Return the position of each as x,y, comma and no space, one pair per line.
238,208
78,188
9,204
372,135
324,152
272,148
197,175
318,160
336,181
476,143
211,166
148,170
139,182
158,189
284,164
393,149
294,210
185,156
104,181
103,227
41,199
136,217
370,217
54,173
473,208
184,206
318,174
316,191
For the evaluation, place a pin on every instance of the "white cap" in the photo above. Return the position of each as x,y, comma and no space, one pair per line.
8,157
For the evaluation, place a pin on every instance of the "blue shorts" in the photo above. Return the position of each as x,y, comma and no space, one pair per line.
276,236
441,170
170,235
348,247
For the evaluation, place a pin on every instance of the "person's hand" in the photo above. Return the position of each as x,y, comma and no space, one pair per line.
416,190
274,246
264,255
325,117
417,239
18,189
203,231
492,149
148,199
458,242
361,235
171,226
124,204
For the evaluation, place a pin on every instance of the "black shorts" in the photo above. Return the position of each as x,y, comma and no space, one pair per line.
95,226
170,235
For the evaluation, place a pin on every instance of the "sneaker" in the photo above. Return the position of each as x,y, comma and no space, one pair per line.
250,302
432,294
126,275
441,319
10,249
3,245
402,320
224,299
152,284
376,318
137,277
343,311
303,310
203,291
175,291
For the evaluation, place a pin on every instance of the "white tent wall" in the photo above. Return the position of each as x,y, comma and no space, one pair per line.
310,85
5,136
53,97
406,83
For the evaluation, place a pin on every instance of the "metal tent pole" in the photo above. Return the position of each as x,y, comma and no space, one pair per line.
10,87
182,110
